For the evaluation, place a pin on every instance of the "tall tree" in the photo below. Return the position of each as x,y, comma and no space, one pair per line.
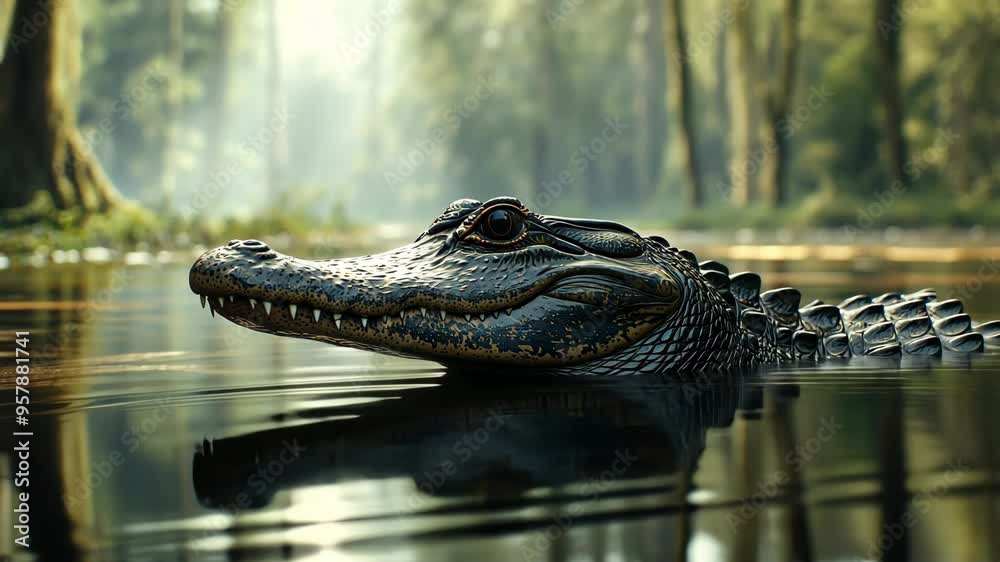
172,102
777,100
42,148
650,97
721,94
741,55
6,15
373,124
278,151
547,64
682,95
219,92
887,28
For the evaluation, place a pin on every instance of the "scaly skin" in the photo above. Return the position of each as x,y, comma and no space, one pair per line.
495,284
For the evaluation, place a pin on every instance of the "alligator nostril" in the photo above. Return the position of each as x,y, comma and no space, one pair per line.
252,245
233,243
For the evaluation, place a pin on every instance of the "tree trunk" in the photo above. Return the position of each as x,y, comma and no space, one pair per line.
221,89
172,105
278,153
42,149
722,99
777,103
683,101
6,16
651,103
547,98
887,32
373,125
740,51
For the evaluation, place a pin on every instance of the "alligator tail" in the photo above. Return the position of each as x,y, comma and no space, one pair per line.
892,324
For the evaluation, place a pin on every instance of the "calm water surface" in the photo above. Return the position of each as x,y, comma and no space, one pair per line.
161,433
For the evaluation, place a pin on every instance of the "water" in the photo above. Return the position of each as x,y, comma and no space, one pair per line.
161,433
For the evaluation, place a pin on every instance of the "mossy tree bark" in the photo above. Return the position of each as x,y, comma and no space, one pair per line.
651,95
547,120
682,96
277,159
41,148
172,107
887,28
777,102
741,52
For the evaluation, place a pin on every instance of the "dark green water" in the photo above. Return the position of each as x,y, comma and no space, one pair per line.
161,433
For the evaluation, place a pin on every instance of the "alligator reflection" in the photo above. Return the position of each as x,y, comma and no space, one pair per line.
490,438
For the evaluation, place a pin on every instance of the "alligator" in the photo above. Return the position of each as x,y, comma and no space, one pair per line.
496,285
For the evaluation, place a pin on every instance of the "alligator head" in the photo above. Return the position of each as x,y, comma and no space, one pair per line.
486,283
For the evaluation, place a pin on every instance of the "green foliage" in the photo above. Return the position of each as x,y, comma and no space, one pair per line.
40,225
829,210
836,153
556,71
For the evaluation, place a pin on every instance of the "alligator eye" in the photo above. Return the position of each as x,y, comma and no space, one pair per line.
502,225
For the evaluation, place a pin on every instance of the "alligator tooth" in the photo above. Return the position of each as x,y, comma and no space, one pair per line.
212,310
385,318
482,317
232,298
202,300
508,311
496,314
316,314
337,322
253,304
402,315
267,308
337,316
221,302
423,311
293,308
442,315
364,322
468,318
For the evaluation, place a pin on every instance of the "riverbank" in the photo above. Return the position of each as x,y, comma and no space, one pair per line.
38,234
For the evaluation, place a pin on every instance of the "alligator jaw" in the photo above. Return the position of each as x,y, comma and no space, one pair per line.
407,302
